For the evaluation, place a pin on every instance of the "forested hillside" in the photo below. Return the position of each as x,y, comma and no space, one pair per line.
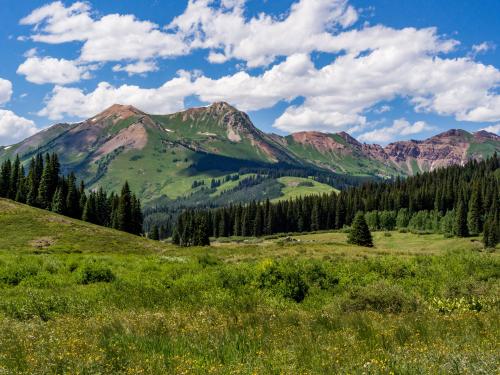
45,187
457,200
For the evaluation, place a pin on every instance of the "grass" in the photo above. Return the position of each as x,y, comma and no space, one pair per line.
294,187
76,298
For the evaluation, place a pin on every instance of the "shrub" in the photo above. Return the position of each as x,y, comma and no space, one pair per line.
96,273
380,296
208,260
285,279
13,274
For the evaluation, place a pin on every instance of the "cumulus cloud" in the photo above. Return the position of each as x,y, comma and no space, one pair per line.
482,48
5,91
220,28
139,67
493,129
399,128
112,37
14,128
369,65
259,40
74,102
42,70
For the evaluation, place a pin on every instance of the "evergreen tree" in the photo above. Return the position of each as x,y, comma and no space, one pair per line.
72,199
58,202
202,231
154,233
474,217
124,213
359,233
14,178
44,198
5,173
460,225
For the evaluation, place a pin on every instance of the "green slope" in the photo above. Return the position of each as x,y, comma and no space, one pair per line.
29,230
76,298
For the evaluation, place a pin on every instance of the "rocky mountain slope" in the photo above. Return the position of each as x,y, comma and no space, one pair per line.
162,155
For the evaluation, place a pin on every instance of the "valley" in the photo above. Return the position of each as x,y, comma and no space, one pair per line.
79,298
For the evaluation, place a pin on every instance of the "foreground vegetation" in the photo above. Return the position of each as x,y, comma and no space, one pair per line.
78,298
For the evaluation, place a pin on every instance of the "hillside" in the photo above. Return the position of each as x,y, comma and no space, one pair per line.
76,298
163,155
29,230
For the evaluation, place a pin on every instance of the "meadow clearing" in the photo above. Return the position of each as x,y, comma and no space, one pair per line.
77,298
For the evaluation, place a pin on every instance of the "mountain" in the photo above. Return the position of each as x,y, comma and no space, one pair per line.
179,154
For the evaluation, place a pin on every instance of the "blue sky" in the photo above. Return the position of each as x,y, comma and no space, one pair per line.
381,70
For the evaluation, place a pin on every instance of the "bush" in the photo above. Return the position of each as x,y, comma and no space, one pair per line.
208,260
13,274
381,297
285,279
96,273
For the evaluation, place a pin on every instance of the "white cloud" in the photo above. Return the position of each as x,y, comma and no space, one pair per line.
493,129
259,40
482,48
42,70
399,128
5,91
74,102
139,67
371,65
14,128
112,37
219,27
382,109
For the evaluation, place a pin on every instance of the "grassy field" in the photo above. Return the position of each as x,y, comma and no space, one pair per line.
294,187
76,298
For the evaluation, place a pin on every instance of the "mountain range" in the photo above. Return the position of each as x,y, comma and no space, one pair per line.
163,155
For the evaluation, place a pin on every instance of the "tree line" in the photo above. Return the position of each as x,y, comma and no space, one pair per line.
44,186
456,200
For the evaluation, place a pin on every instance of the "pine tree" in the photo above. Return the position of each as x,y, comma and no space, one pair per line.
5,173
22,192
124,213
44,198
474,221
89,211
460,225
202,231
14,178
176,238
58,202
154,233
315,219
340,213
72,199
360,234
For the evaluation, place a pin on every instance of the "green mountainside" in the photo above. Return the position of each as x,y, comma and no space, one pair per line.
166,157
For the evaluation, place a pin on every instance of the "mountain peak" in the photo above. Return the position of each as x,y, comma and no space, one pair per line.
119,111
452,133
483,134
222,107
349,139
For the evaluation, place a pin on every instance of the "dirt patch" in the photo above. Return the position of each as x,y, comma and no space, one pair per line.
233,136
132,137
56,219
42,242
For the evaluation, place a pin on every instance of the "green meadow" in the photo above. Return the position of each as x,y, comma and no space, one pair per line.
78,298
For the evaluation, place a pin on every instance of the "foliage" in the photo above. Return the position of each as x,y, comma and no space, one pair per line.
44,187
